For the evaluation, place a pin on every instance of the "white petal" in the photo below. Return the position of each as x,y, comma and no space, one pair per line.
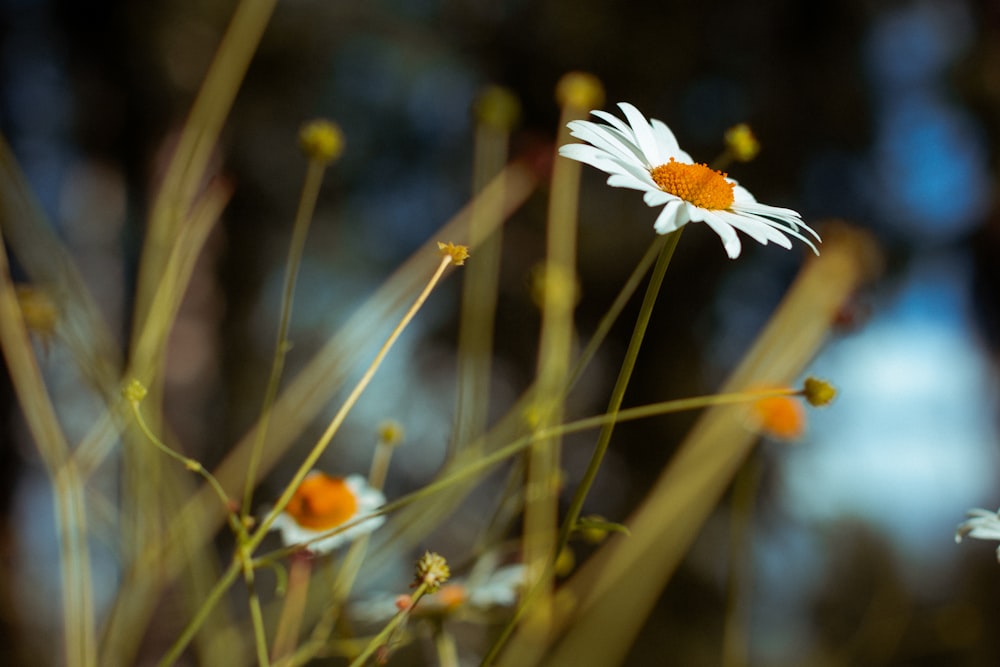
657,197
614,121
730,240
588,154
644,136
756,228
665,139
671,218
630,181
607,139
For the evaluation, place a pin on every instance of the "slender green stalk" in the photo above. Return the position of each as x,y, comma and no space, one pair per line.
307,205
189,463
497,456
341,415
227,579
68,486
390,627
735,637
618,393
256,618
617,306
444,644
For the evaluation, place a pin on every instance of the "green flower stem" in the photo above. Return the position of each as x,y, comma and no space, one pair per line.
390,627
307,205
610,317
618,393
189,463
227,579
341,415
512,449
444,643
256,617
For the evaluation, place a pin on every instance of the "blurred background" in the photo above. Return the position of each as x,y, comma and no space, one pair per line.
884,114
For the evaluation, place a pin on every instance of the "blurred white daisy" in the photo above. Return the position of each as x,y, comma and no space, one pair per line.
982,525
321,504
461,598
644,155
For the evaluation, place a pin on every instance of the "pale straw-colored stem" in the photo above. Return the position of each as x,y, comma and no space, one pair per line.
307,204
341,415
70,507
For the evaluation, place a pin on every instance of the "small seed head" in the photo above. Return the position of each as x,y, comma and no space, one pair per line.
321,140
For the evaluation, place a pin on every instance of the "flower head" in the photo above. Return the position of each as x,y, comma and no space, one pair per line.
982,525
780,417
321,140
321,504
467,598
644,155
432,570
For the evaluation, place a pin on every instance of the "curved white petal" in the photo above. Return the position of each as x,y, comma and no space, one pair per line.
644,136
657,197
607,140
628,150
665,139
730,240
756,228
630,181
671,218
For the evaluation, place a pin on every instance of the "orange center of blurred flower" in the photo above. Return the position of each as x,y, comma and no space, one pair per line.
450,596
322,502
695,183
781,417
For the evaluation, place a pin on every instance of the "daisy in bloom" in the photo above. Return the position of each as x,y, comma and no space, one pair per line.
321,504
463,598
644,155
982,525
780,417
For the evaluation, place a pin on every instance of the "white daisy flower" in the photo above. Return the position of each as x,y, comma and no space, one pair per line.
644,155
321,504
457,598
982,525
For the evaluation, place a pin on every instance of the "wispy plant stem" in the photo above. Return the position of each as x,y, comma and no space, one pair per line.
618,393
307,205
212,599
338,419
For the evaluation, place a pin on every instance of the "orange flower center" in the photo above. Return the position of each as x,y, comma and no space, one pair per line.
322,502
781,417
696,183
451,596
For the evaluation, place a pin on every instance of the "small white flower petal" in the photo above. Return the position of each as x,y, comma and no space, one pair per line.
617,147
643,134
656,197
669,148
630,181
630,151
367,499
672,217
730,239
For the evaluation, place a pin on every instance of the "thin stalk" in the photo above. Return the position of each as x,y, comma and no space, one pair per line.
735,638
338,419
618,393
307,205
294,605
390,627
68,487
515,447
256,618
227,579
191,464
444,644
